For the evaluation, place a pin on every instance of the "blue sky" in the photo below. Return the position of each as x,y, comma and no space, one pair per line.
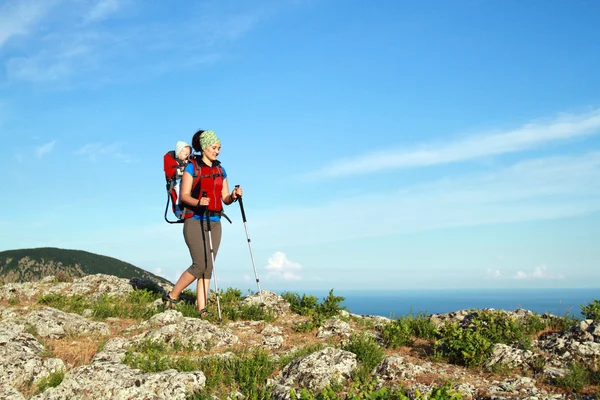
380,145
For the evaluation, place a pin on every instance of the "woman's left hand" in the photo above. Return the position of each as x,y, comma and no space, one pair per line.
237,193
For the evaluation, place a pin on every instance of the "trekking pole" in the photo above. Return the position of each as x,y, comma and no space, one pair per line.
250,247
212,256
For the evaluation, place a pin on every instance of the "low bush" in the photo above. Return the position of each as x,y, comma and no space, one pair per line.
591,310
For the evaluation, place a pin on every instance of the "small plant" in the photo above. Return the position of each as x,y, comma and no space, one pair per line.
52,380
471,345
135,305
319,312
368,353
575,380
304,305
397,333
591,310
300,352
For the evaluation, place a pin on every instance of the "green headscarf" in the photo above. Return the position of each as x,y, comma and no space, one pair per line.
208,138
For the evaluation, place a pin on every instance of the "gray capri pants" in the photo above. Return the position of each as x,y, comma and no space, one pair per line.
195,233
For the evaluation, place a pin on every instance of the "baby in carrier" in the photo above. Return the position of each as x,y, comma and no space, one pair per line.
175,162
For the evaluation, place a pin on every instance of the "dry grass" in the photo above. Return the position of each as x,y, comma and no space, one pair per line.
75,352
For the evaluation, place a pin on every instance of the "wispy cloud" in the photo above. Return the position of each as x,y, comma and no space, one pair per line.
540,272
144,47
545,188
279,267
20,17
92,151
528,137
42,150
102,9
493,274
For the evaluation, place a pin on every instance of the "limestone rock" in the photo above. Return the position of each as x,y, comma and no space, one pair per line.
22,358
98,285
52,323
334,327
9,393
272,301
272,337
503,354
394,367
101,381
318,369
191,333
113,351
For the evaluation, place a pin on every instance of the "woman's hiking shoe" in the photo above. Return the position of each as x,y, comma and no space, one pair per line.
169,302
204,313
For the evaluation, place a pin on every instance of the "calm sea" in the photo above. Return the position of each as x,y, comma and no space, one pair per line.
404,302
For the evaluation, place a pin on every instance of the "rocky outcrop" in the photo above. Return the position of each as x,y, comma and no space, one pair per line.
101,381
27,330
22,359
315,371
52,323
579,343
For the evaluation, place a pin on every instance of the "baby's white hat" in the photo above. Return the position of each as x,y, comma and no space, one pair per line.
180,146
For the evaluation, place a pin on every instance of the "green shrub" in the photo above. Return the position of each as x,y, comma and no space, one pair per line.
472,345
576,379
304,305
397,333
308,305
330,305
591,310
50,381
136,305
367,350
245,372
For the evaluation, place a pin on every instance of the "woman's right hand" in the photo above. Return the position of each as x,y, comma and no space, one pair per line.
204,201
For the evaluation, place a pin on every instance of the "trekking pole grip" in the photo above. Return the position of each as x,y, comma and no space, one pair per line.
239,199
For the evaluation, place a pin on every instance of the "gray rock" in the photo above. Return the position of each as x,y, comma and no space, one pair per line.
101,381
22,358
99,285
168,317
318,369
503,354
272,301
334,327
394,367
272,337
191,333
52,323
9,393
113,351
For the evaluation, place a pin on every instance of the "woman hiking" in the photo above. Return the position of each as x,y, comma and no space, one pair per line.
204,190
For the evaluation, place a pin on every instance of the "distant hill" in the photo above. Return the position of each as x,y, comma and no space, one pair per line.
25,265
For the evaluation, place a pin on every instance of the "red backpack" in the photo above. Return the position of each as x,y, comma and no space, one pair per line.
172,165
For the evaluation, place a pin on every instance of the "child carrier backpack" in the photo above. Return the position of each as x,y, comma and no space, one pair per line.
173,168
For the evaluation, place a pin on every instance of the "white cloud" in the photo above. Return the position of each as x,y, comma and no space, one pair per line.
279,267
540,272
74,50
40,151
494,274
20,17
102,9
92,151
544,188
528,137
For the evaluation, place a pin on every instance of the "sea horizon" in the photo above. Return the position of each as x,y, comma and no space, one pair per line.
402,302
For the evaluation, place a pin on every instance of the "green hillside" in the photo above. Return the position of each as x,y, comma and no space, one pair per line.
24,265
